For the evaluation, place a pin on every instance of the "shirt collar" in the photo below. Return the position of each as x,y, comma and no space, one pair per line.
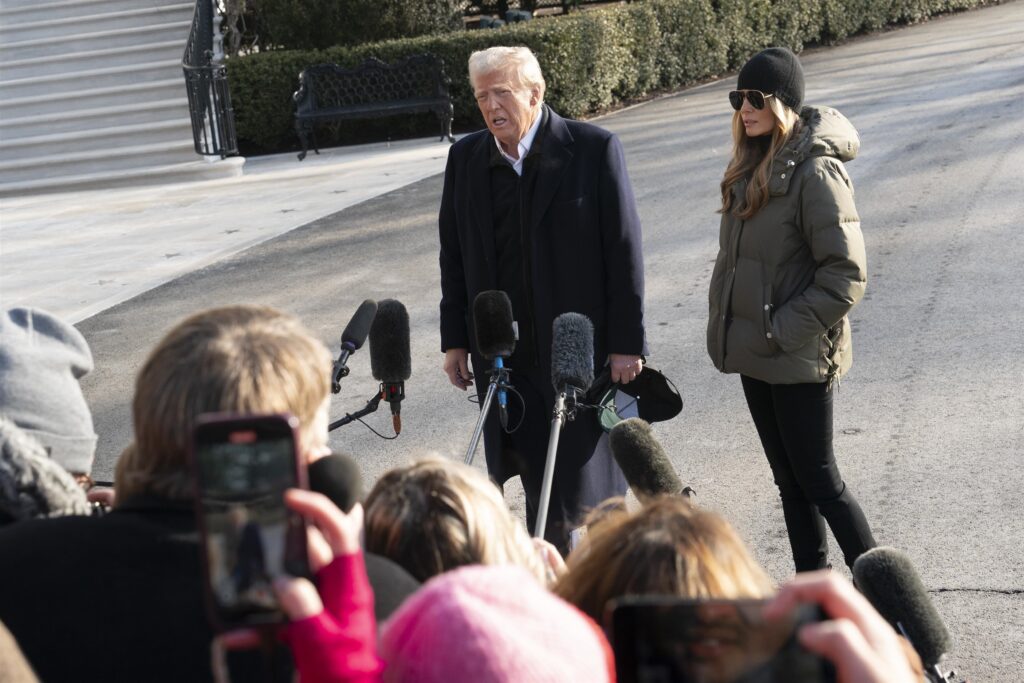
524,144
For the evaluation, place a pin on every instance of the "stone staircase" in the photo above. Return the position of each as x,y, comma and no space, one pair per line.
92,95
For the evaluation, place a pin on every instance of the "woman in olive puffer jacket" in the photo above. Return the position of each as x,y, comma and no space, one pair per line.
790,266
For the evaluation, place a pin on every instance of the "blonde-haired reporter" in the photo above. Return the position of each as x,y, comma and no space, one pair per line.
437,514
138,568
667,547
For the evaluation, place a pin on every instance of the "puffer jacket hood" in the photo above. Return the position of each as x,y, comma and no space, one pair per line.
827,133
824,132
785,279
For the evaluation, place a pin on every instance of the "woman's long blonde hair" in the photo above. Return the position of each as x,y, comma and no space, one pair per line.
752,160
668,547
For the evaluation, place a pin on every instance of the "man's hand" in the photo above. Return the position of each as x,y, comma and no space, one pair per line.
624,368
456,366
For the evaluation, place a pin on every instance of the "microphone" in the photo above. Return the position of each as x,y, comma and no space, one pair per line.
886,577
390,358
495,337
337,476
572,372
572,352
352,340
643,461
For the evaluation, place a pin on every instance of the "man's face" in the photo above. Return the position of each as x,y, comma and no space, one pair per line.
508,108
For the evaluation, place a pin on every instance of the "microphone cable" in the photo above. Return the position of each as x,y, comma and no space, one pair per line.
386,438
362,422
474,399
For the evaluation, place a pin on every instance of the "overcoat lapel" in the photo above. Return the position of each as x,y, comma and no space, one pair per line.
480,201
554,161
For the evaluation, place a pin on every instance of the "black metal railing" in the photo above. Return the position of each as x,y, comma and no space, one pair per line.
209,102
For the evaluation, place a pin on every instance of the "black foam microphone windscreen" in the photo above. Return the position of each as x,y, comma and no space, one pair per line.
338,477
492,318
572,351
390,357
642,460
889,581
359,326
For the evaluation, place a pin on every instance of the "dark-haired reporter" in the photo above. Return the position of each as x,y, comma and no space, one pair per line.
539,207
791,265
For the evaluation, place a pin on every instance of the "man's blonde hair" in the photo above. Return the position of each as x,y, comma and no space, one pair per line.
437,514
668,547
238,359
518,62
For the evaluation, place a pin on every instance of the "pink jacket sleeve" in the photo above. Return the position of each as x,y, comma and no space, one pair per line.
339,645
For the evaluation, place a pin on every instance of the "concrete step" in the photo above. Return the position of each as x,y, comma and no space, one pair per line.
58,84
56,26
135,93
97,40
189,171
171,131
89,119
29,10
97,161
164,51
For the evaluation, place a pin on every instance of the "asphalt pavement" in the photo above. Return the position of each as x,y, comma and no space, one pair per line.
930,421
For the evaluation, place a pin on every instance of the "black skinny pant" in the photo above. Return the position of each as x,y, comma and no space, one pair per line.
794,422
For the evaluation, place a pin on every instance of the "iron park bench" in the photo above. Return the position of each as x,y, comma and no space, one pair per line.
329,93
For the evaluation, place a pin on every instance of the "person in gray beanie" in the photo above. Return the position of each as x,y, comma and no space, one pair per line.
32,485
42,360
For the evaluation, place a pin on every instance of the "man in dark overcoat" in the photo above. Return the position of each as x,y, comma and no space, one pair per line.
541,208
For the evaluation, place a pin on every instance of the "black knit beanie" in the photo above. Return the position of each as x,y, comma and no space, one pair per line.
776,71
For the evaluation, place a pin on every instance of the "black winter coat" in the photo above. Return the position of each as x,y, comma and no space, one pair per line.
584,241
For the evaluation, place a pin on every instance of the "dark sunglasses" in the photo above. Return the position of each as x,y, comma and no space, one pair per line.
755,97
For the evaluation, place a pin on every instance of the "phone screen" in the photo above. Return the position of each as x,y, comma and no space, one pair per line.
250,538
667,640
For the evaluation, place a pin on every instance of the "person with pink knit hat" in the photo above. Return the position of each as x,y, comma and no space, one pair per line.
492,624
484,624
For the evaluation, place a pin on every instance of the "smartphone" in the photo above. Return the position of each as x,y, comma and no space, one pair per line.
242,466
663,639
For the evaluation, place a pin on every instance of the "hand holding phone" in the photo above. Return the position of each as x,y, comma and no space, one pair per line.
332,533
858,640
663,639
243,466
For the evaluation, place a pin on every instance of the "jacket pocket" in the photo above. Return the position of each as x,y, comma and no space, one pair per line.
767,309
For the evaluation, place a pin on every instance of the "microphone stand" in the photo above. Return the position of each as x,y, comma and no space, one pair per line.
498,385
565,411
370,406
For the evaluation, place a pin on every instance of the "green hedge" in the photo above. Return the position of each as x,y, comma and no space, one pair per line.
591,60
318,24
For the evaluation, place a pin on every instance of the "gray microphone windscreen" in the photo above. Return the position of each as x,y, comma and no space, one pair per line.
492,318
889,581
358,327
338,477
390,356
642,460
572,351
